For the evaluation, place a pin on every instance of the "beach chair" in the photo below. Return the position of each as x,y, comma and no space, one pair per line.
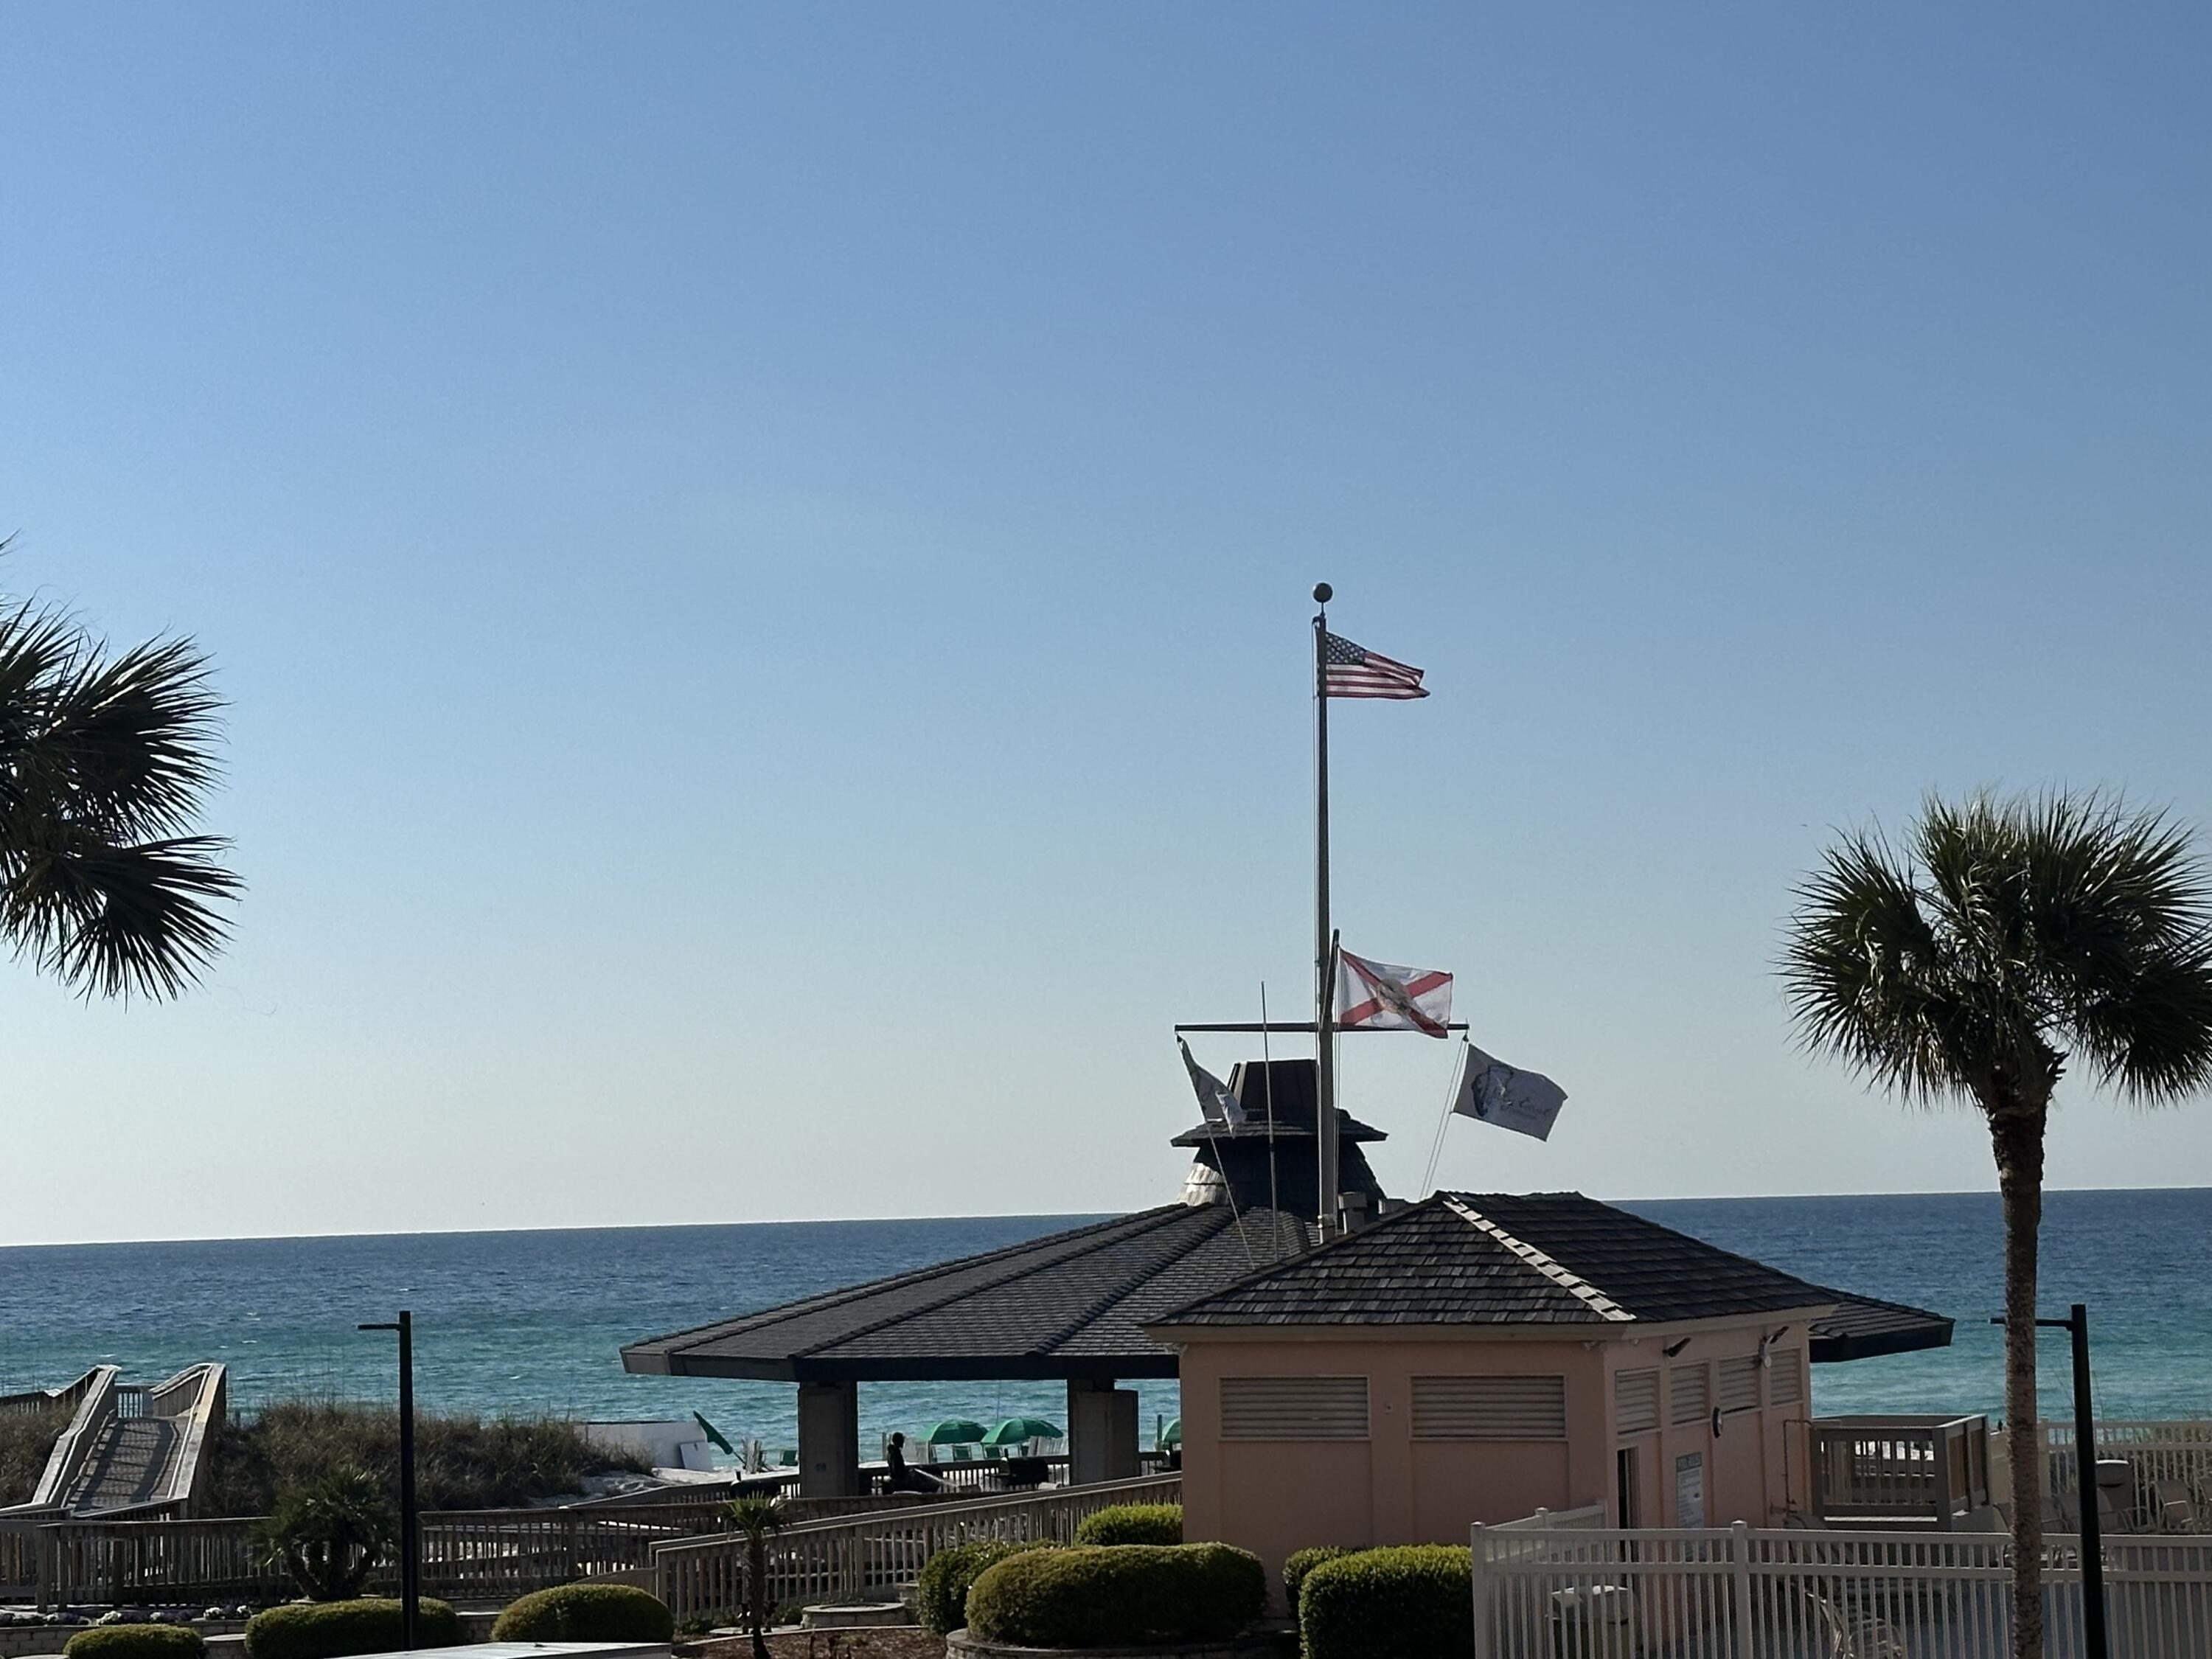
2176,1505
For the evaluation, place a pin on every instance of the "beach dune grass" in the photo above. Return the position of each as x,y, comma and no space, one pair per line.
25,1439
461,1462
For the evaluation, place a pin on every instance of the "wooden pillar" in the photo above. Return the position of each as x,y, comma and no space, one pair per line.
829,1440
1102,1431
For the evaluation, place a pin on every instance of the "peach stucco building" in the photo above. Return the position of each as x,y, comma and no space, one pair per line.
1478,1358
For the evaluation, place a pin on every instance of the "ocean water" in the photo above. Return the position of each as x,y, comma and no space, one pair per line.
531,1321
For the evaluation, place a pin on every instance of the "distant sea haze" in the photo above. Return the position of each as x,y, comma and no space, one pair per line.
532,1322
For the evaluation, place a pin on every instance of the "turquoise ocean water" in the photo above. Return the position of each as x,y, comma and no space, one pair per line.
531,1321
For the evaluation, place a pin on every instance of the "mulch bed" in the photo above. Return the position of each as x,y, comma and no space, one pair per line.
891,1641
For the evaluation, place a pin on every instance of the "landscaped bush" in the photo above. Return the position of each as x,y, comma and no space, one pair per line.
332,1629
1132,1523
1093,1596
1411,1601
947,1575
1302,1562
135,1642
586,1613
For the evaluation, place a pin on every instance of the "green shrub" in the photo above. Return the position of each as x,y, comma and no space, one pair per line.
1093,1595
1132,1523
1410,1602
1302,1562
135,1642
946,1576
586,1613
332,1629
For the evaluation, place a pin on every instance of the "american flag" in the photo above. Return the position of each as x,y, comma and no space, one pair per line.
1348,670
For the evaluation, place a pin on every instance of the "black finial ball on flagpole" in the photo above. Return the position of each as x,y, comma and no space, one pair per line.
1323,593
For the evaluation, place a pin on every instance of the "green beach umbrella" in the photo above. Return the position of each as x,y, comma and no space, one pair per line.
956,1431
1171,1435
1016,1430
713,1435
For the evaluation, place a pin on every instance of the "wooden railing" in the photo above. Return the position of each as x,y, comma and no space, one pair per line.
488,1555
1926,1470
851,1556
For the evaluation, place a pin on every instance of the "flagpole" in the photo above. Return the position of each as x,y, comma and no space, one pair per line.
1324,991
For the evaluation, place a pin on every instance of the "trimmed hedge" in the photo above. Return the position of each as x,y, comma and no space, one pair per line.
947,1575
135,1642
333,1630
1408,1602
1132,1523
586,1613
1089,1595
1299,1563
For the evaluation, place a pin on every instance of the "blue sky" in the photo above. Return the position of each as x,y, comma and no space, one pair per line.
759,557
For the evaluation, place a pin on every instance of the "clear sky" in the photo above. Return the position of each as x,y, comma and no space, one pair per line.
759,557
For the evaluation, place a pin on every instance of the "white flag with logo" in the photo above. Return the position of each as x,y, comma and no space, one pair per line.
1221,1107
1526,1102
1375,996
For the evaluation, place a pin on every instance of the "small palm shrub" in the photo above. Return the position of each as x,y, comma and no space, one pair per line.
332,1533
947,1576
1093,1595
1132,1523
1408,1602
334,1630
586,1613
135,1642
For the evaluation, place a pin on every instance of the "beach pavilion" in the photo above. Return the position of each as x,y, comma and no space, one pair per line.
1075,1306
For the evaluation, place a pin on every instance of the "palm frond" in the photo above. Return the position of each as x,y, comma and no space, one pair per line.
115,919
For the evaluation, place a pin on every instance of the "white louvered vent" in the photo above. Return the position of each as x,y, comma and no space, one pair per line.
1294,1408
1689,1392
1636,1402
1786,1376
1490,1408
1739,1384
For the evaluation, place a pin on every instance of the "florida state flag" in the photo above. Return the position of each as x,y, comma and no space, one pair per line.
1374,996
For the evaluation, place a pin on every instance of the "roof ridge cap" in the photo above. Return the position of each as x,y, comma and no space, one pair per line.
1580,1288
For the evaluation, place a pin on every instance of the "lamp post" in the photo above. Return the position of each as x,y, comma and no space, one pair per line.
2076,1324
410,1588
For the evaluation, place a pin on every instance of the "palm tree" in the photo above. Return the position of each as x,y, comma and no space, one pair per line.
757,1517
332,1535
2004,939
104,762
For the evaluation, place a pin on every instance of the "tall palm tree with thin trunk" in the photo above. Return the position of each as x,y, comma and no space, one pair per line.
2002,939
106,761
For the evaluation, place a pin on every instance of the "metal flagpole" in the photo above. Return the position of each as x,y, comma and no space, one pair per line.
1267,1089
1324,991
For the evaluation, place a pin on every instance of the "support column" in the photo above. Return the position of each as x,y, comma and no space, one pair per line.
829,1440
1102,1431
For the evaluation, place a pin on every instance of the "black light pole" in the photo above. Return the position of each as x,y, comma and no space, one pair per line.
2076,1324
411,1586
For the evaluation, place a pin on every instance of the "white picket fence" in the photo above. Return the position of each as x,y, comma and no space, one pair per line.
2169,1466
1737,1593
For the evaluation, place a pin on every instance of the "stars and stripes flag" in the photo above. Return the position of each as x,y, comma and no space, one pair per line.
1221,1108
1374,996
1352,671
1527,1102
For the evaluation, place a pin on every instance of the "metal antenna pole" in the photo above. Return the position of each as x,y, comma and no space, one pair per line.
1324,991
410,1554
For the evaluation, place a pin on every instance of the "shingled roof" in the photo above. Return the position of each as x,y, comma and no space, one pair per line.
1464,1259
1072,1304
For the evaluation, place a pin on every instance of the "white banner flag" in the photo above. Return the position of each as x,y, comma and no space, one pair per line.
1526,1102
1214,1100
1374,996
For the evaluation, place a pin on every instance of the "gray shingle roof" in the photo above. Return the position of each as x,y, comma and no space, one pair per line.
1070,1304
1540,1259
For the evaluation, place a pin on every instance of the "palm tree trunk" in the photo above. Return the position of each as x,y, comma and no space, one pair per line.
2017,1139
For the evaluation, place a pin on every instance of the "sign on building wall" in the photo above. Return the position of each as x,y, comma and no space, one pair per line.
1690,1490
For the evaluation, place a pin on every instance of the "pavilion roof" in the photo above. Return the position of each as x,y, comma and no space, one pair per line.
1497,1260
1071,1304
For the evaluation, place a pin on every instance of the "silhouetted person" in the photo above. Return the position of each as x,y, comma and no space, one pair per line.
899,1478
